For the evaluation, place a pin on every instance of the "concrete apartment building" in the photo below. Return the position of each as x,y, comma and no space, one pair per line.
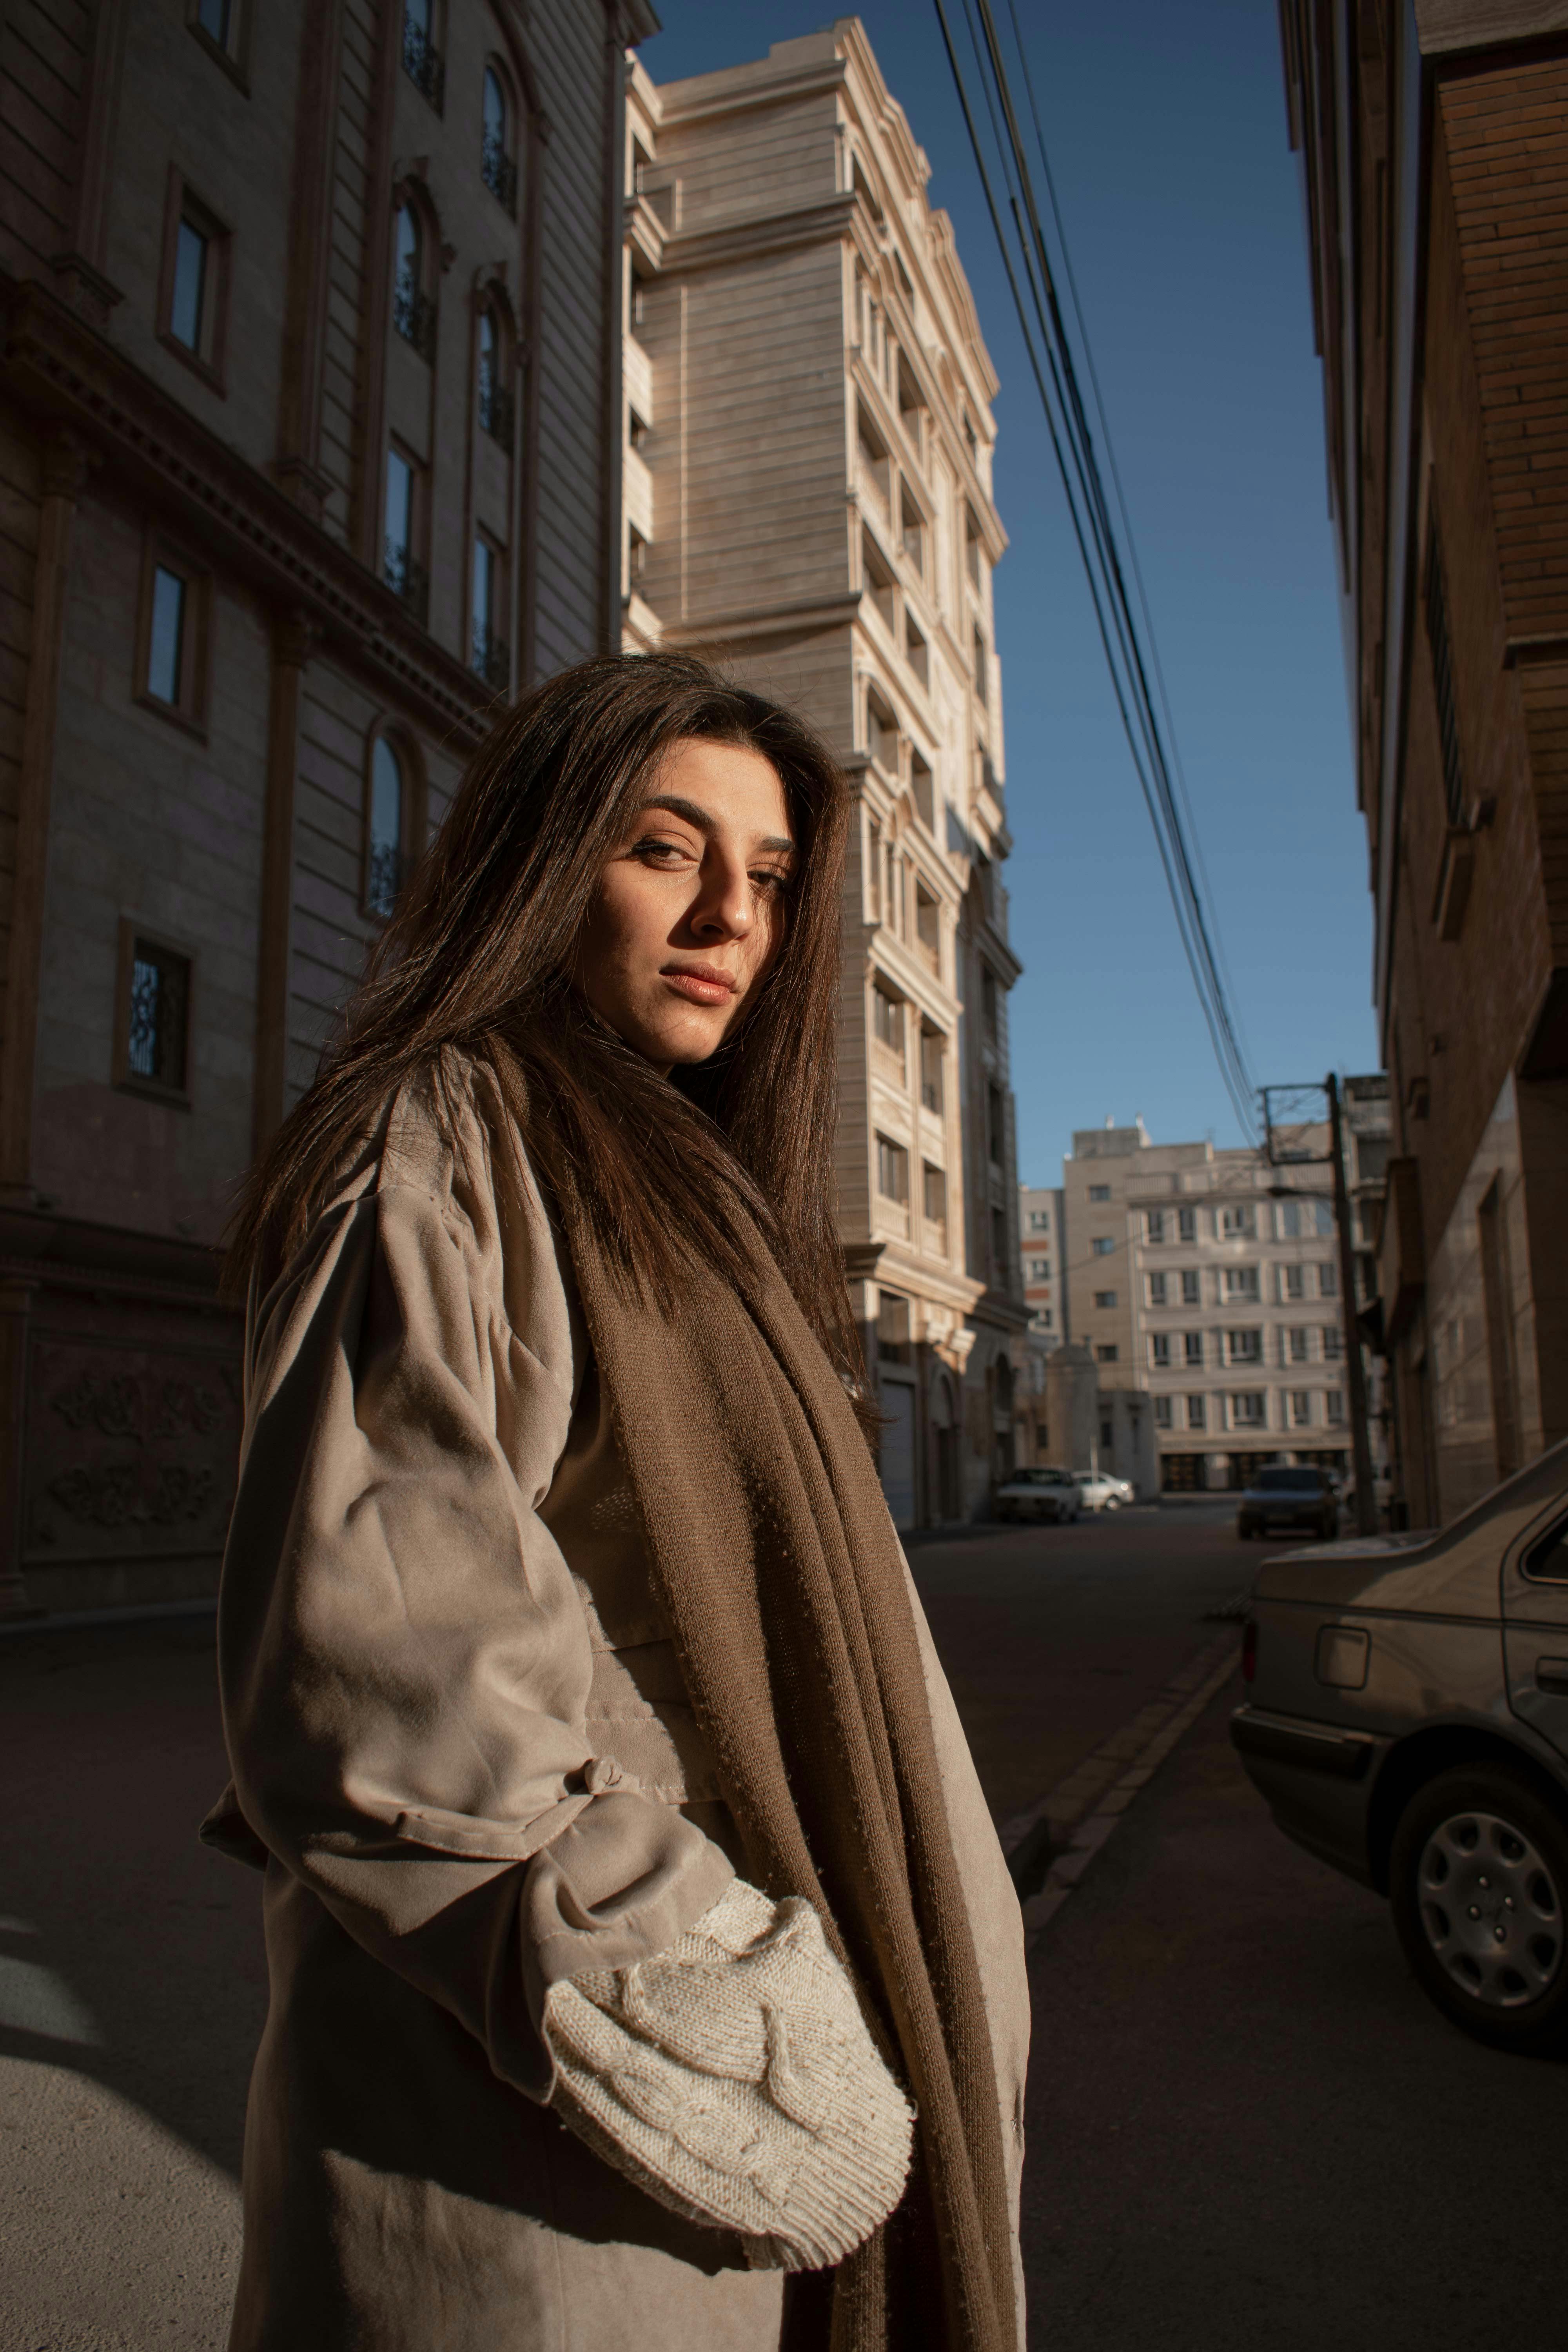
1433,147
807,463
1188,1281
307,437
1042,1244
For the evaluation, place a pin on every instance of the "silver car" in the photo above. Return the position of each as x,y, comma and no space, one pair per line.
1407,1721
1038,1493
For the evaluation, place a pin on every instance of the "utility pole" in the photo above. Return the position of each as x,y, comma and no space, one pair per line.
1355,1373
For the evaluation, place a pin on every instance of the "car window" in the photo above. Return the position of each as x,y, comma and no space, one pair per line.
1287,1482
1548,1560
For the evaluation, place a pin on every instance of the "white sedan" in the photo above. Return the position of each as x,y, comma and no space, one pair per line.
1097,1491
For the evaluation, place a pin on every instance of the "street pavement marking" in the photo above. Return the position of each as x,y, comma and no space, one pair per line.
1086,1807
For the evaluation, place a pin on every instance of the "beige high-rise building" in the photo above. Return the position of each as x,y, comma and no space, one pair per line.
808,497
1210,1280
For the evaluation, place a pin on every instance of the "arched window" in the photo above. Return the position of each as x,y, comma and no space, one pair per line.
412,312
385,818
495,391
497,166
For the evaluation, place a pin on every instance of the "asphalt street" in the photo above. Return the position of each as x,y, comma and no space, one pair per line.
1245,2125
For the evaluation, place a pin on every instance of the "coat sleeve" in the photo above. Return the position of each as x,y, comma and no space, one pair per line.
405,1658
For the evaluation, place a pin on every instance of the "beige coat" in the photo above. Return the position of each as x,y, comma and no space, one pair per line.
462,1749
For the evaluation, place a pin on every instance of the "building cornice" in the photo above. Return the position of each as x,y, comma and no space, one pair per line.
58,368
827,221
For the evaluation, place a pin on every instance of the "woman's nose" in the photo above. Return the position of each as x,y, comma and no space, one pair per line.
724,907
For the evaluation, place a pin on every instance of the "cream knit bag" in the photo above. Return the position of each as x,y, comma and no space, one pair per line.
733,2078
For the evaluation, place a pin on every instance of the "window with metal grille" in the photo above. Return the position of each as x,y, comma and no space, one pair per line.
152,1047
1434,590
497,168
385,826
422,60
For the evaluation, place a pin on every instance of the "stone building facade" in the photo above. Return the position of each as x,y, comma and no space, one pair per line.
1209,1282
1433,146
807,461
308,452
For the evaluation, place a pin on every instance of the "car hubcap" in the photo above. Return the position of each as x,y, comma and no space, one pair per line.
1491,1910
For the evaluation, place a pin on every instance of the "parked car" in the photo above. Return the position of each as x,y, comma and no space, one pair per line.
1040,1492
1288,1495
1098,1491
1407,1721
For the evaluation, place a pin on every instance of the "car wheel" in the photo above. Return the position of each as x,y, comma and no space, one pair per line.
1479,1882
1112,1502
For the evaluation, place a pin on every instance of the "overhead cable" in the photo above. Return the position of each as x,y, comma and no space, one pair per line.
1126,635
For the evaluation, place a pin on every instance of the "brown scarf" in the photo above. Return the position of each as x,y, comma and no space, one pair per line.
772,1552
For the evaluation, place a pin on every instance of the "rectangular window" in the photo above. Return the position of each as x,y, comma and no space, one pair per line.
1248,1410
981,669
1101,1245
1154,1224
1044,1318
1243,1347
915,650
1328,1279
892,1170
1289,1227
893,1329
996,1126
883,729
1156,1290
1237,1225
990,1005
422,61
1333,1343
888,1012
1163,1412
152,1027
1160,1351
401,569
928,928
878,576
1323,1220
1197,1417
1105,1299
998,1242
1434,590
1295,1282
488,650
1039,1220
1241,1282
931,1094
1187,1224
1189,1285
193,298
1039,1269
1106,1352
1334,1407
1300,1408
1297,1345
166,648
1098,1193
873,456
1193,1348
171,632
934,1182
220,25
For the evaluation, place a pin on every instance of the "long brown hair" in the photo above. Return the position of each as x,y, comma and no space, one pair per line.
478,958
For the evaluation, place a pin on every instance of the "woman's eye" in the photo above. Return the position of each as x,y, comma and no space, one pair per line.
660,853
768,879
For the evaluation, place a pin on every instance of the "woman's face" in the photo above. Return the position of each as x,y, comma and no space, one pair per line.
689,911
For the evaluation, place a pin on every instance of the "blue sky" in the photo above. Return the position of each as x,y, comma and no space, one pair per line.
1165,126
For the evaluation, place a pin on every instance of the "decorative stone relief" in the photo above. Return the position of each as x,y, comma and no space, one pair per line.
131,1450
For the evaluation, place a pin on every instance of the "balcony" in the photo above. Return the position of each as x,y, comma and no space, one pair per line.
498,173
407,580
497,411
637,492
413,316
424,64
490,660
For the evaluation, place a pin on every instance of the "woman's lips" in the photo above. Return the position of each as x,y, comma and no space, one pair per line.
699,988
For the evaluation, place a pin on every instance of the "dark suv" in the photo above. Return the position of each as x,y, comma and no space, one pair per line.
1290,1495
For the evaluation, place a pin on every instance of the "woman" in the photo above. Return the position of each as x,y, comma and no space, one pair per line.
627,1881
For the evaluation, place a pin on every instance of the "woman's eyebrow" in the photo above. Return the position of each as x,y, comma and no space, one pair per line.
705,822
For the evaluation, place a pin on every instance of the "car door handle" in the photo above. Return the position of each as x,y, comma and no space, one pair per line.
1551,1674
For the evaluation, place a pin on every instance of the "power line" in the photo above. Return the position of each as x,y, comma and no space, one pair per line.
1131,657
